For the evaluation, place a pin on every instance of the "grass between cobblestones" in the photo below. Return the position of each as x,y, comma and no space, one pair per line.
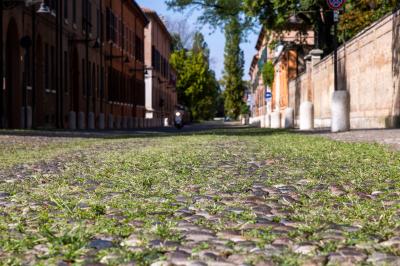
293,199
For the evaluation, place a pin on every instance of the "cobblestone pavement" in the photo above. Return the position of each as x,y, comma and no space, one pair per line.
389,137
244,197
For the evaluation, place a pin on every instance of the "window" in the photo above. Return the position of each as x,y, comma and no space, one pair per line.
102,83
110,83
98,23
98,82
102,26
46,67
115,23
111,26
66,9
66,71
90,80
83,14
73,11
108,22
53,68
83,77
139,49
89,16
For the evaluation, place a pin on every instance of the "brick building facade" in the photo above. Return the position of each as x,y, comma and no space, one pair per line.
161,97
80,65
285,50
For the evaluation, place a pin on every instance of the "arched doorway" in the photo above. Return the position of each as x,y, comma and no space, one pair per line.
13,92
39,93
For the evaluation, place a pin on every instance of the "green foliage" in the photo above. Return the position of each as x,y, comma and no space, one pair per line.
229,15
274,15
196,84
268,73
214,12
176,42
361,13
245,109
233,71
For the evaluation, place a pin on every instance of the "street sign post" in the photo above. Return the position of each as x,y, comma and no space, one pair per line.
335,5
268,96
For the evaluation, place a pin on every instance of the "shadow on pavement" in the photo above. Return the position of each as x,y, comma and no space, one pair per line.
206,128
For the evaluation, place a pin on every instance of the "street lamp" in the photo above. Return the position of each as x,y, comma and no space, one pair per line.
43,9
145,70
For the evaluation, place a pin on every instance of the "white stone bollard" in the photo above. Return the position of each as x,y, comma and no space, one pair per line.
166,122
276,119
72,120
102,123
340,111
262,121
289,117
110,121
267,121
306,116
81,120
91,122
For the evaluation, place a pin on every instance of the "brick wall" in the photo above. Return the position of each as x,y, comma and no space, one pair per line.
368,68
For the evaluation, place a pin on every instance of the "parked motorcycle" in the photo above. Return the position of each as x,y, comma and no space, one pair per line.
178,119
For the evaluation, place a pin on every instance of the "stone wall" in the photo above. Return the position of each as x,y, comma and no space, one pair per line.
369,67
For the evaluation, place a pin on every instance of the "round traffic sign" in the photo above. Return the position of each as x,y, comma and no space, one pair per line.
335,4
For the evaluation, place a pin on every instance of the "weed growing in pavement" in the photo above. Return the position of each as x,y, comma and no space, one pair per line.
113,190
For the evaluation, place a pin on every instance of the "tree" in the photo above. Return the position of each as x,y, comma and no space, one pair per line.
227,14
275,15
268,73
233,71
214,12
196,86
200,46
361,13
182,33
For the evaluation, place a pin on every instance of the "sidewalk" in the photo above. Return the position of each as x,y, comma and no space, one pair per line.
389,137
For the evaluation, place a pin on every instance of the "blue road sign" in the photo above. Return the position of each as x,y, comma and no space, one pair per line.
335,4
268,95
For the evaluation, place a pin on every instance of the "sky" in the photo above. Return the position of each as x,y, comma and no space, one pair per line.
214,38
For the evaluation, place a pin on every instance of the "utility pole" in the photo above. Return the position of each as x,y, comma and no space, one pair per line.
335,54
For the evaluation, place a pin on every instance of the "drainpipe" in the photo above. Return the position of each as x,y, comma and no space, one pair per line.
61,62
1,67
33,78
87,59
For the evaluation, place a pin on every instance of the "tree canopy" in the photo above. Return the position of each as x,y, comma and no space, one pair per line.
233,68
214,12
275,15
196,86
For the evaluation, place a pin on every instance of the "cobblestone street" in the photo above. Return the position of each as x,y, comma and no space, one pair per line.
205,197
